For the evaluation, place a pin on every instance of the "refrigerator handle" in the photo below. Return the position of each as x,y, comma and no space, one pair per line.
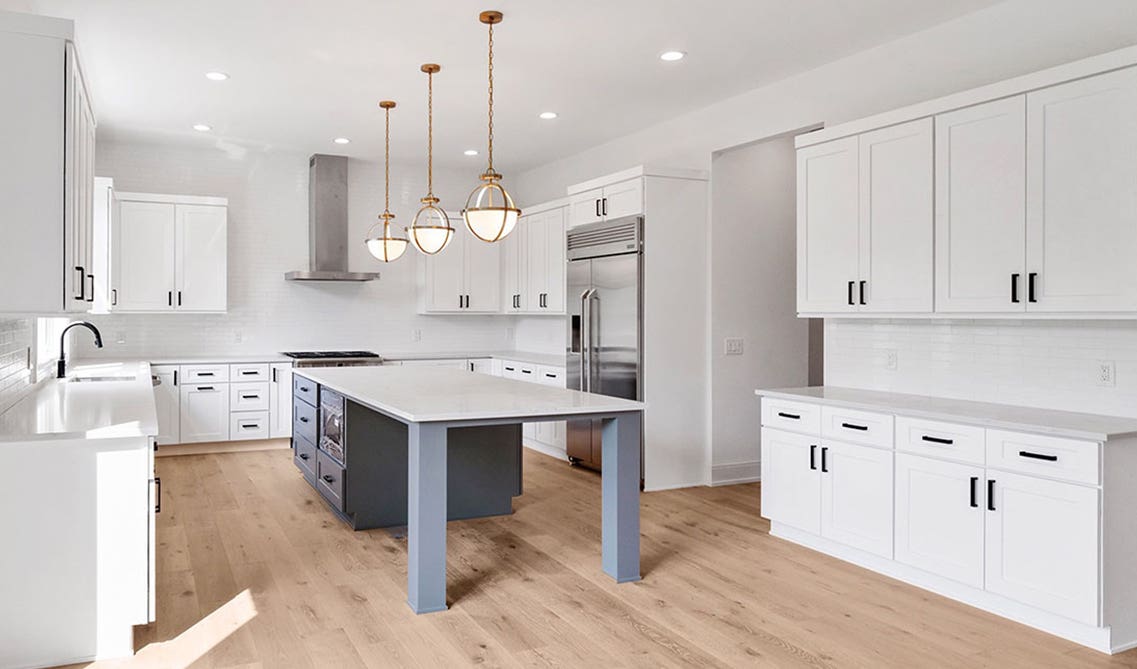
585,336
593,336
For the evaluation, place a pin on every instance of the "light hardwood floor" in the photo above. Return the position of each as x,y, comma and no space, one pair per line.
527,589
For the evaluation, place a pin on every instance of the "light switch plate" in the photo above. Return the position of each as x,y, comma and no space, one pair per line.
733,346
890,359
1107,373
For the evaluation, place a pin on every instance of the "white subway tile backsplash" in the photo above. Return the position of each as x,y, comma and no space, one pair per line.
15,376
1049,364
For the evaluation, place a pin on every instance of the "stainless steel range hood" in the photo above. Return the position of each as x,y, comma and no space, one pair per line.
327,223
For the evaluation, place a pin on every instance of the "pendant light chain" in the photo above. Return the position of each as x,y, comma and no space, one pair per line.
490,148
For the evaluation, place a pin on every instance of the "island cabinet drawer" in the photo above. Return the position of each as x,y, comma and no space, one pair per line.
249,372
205,373
861,427
304,420
551,376
304,457
248,425
964,443
330,479
793,416
248,397
1053,457
304,389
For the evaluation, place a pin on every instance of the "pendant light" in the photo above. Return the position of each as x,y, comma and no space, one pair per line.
490,214
430,231
388,247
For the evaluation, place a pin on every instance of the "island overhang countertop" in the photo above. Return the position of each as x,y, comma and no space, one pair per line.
436,394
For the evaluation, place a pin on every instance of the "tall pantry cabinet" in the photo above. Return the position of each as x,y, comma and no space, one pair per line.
47,129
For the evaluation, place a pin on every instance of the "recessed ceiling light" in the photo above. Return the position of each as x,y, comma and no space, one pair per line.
671,56
548,116
216,76
201,127
342,140
470,152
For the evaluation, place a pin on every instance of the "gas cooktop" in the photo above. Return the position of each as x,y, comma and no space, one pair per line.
325,355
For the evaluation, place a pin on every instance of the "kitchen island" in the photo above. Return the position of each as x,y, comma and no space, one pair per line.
433,401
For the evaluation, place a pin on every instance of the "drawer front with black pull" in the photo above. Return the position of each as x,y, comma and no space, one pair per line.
1052,457
304,389
800,417
205,373
245,425
330,480
248,396
304,420
859,427
304,455
249,372
949,441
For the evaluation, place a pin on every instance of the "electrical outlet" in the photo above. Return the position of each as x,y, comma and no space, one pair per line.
1107,373
733,346
237,337
890,359
416,335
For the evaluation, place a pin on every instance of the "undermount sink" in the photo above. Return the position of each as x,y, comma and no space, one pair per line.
99,379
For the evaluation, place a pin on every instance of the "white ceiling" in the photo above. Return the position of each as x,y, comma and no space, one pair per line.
304,72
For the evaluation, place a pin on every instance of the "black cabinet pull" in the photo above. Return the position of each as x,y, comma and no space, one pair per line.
863,292
303,389
526,371
328,478
82,296
938,440
791,416
509,369
169,298
205,373
249,426
114,297
597,203
851,293
175,377
825,459
1030,279
604,206
250,397
179,298
1015,288
249,372
813,456
551,376
974,492
854,426
91,296
459,301
990,494
303,456
1038,456
303,419
274,374
158,494
204,388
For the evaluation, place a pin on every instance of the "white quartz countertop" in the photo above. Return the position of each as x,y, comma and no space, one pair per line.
198,359
547,359
432,394
1086,426
63,409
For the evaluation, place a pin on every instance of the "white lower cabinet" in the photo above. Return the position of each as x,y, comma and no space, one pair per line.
167,403
791,480
1042,544
856,496
204,412
280,401
939,517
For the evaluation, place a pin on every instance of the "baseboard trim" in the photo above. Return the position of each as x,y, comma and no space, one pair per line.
736,472
1097,638
223,447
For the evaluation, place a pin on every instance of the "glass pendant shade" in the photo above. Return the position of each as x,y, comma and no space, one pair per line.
386,247
490,214
431,231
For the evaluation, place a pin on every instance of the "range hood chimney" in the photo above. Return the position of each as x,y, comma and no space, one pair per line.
327,223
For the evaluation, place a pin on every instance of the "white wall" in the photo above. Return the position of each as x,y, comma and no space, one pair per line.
753,296
268,218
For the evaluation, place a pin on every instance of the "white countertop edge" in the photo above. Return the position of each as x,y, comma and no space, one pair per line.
1038,427
531,357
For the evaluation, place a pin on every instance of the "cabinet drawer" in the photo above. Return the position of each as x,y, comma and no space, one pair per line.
248,425
1054,457
304,456
254,372
304,420
792,416
861,427
330,479
304,389
964,443
205,373
248,396
551,376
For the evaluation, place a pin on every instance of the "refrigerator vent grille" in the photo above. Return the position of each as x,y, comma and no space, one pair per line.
611,234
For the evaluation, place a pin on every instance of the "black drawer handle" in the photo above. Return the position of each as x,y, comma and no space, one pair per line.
526,371
1038,456
813,456
205,373
250,372
303,419
938,440
854,426
328,478
250,397
303,456
509,369
158,494
791,416
551,376
974,492
204,388
825,459
304,389
990,494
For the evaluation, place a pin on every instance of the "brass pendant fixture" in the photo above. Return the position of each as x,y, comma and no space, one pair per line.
430,230
386,247
490,213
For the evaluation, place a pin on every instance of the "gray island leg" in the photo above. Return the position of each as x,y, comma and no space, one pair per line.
620,488
426,517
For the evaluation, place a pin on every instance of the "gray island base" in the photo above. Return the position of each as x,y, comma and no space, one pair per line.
447,413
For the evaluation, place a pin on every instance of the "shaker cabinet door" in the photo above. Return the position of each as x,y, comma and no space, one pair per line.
828,231
856,496
142,247
791,480
201,258
204,412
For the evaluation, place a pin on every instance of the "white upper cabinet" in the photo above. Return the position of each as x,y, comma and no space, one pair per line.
47,175
465,277
584,207
981,208
828,230
896,219
1081,202
545,263
514,260
168,255
615,200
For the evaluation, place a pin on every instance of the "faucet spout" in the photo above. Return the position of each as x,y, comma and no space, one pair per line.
61,366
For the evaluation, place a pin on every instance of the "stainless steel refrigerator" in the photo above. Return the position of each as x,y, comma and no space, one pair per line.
605,322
